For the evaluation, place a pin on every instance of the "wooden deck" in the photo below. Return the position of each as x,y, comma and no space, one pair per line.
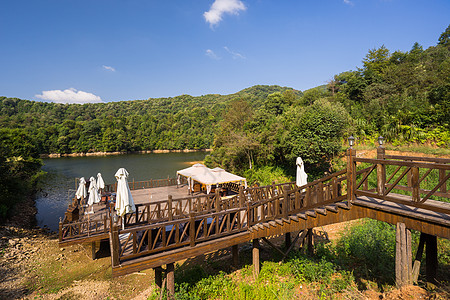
169,225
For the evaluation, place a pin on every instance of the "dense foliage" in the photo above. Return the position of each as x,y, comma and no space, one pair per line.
404,96
182,122
19,167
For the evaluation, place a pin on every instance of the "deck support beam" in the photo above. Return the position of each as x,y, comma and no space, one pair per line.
93,250
255,253
418,259
431,257
310,241
158,276
287,240
235,254
403,256
170,276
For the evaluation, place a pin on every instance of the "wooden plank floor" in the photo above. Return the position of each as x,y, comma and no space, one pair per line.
401,209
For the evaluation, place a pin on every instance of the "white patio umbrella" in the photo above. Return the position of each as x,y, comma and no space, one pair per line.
302,177
100,182
81,192
124,200
94,196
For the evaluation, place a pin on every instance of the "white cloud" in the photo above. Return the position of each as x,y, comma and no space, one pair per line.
69,96
220,7
109,68
211,54
235,55
348,2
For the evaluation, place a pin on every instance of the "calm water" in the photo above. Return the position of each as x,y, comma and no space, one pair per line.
59,184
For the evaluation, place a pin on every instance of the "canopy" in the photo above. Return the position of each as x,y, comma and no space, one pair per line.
209,177
302,177
124,200
81,191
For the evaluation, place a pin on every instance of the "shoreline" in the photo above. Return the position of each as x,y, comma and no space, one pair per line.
82,154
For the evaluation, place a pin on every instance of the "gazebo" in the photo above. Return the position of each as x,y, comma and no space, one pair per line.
201,176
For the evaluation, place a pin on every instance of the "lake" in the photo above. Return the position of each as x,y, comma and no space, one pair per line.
59,184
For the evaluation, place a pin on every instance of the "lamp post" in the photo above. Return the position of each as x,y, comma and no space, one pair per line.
381,168
351,171
380,149
351,141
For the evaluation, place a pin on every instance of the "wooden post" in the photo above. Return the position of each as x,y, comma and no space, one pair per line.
93,250
217,200
241,196
191,229
169,208
158,276
415,184
443,187
60,233
287,240
310,240
255,253
351,175
431,258
381,171
170,276
403,255
286,201
114,244
111,214
235,253
418,260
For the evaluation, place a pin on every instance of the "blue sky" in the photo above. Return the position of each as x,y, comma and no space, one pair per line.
111,50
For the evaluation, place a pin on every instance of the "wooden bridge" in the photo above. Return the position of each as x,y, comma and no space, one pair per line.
409,192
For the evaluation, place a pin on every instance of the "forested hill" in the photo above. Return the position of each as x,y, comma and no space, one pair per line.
182,122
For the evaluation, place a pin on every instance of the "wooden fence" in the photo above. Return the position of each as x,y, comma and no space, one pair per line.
289,199
147,184
389,176
196,228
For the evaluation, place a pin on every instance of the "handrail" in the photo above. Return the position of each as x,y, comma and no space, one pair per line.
135,185
410,176
294,200
417,158
143,240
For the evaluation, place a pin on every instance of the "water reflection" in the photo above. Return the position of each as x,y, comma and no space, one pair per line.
59,184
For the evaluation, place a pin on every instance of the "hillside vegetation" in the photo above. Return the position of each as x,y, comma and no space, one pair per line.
182,122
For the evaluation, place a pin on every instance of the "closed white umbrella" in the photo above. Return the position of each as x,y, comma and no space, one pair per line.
100,182
124,200
81,191
302,177
94,196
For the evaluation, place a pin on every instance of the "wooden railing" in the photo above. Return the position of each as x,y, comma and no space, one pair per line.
150,213
170,209
83,229
143,240
288,199
418,177
147,184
